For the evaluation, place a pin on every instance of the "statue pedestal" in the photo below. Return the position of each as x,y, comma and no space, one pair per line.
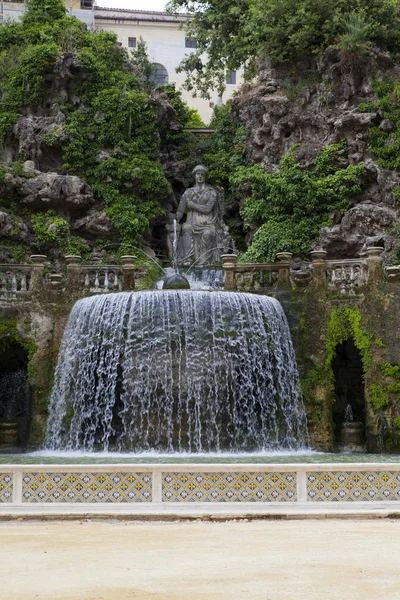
352,437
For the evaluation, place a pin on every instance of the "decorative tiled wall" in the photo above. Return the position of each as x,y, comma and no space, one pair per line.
353,486
229,487
6,487
87,487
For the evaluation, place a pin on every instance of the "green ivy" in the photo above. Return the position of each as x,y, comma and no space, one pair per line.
50,229
386,144
378,397
288,208
396,423
345,323
9,334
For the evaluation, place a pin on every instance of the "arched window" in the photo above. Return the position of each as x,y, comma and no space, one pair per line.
159,75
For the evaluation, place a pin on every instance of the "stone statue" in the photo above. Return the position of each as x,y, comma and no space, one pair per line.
203,236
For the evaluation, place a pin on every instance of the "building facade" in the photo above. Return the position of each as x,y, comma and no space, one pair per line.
164,34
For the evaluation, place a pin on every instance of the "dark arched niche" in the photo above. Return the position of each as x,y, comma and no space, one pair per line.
14,389
349,386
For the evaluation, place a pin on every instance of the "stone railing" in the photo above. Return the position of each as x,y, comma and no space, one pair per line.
101,280
14,282
346,276
173,485
20,282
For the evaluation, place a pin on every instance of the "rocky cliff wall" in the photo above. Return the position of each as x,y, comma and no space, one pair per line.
316,104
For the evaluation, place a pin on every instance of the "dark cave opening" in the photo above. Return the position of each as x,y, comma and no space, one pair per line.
349,404
14,395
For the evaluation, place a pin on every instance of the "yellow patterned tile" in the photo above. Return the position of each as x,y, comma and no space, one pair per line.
352,486
6,487
87,487
229,487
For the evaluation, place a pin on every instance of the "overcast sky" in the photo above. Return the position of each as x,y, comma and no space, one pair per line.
134,4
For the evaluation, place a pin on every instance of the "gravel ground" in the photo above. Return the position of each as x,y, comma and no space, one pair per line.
270,560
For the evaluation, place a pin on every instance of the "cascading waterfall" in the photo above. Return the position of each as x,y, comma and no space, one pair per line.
176,371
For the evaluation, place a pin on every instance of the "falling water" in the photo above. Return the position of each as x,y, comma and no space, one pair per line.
176,371
348,414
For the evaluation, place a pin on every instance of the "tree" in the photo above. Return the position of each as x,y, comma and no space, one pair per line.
235,33
44,11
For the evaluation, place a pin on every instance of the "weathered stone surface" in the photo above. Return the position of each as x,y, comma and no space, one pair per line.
315,115
95,223
49,189
12,227
366,224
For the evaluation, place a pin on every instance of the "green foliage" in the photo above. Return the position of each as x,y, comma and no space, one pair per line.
355,38
44,11
50,229
378,397
195,120
289,207
226,148
223,153
17,251
141,66
9,335
232,33
345,323
118,118
396,423
392,371
386,144
293,86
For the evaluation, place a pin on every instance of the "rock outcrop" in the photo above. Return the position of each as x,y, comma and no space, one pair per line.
317,108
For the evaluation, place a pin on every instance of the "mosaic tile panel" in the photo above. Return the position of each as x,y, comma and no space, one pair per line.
353,486
87,487
6,487
229,487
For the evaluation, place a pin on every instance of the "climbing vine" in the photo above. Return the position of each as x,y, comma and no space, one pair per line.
288,208
9,334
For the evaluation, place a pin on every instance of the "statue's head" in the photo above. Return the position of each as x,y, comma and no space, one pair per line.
199,173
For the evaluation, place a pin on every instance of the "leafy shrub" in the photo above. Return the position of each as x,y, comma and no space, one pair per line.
287,208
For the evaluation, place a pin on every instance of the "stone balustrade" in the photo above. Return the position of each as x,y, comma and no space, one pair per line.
346,276
255,278
102,279
15,282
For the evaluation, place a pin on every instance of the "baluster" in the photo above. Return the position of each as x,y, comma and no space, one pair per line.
106,280
239,281
3,282
13,282
257,280
87,280
96,281
119,280
23,282
251,282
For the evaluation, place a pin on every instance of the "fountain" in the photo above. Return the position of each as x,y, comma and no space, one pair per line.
176,371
